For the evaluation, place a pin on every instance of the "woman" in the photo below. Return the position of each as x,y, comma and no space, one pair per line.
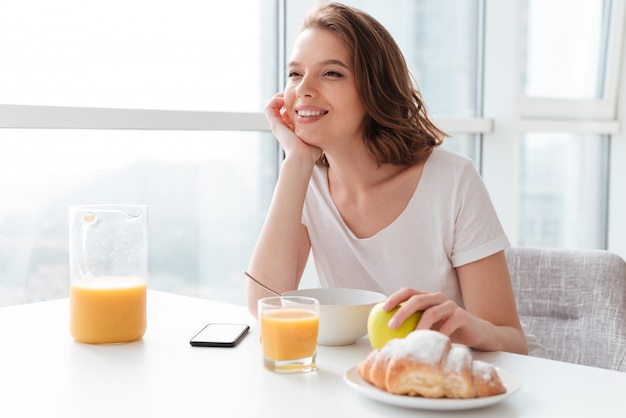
366,188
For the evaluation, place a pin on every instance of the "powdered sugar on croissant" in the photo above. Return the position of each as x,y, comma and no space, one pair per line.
427,364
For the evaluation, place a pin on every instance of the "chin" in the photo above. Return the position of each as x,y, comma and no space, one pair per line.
308,138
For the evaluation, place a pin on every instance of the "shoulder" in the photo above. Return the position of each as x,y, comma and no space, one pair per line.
443,164
446,158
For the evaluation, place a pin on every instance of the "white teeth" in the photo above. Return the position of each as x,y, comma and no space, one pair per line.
310,113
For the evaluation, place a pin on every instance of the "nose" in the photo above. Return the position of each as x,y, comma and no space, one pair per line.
307,87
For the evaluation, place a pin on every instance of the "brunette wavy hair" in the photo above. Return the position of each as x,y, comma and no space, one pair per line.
397,129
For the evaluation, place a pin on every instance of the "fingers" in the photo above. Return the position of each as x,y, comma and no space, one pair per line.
273,107
285,132
277,101
445,317
399,296
455,319
276,113
410,301
439,312
286,119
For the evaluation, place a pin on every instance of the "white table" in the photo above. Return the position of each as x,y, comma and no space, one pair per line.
43,372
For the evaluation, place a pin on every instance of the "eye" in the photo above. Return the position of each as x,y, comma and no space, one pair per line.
293,74
334,74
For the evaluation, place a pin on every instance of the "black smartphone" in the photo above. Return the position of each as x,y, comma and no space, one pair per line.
220,335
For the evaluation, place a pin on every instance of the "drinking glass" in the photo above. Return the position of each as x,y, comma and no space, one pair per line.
108,273
289,326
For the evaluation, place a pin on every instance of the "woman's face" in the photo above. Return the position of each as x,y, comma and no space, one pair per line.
321,96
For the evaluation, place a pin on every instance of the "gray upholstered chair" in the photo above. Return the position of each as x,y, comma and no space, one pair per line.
573,302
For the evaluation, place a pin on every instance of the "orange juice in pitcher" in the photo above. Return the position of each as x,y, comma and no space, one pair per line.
108,273
109,309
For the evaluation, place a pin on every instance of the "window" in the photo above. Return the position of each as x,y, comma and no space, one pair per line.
577,71
160,102
564,170
182,55
142,77
581,80
563,190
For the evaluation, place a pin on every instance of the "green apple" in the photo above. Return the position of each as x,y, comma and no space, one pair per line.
378,330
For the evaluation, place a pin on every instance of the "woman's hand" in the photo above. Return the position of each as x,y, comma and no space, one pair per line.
439,313
283,130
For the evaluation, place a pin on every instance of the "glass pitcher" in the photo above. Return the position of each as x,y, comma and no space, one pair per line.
108,273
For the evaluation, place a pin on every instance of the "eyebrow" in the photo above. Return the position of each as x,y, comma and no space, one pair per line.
323,63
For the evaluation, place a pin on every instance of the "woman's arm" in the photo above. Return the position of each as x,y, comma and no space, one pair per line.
489,322
282,249
488,296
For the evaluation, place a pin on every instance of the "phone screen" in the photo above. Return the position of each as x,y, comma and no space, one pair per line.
220,335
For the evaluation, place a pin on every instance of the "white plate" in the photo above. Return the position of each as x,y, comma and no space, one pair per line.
510,382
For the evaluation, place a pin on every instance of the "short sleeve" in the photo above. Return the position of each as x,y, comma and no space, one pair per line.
478,232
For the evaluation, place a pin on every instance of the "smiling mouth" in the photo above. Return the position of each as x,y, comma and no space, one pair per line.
311,113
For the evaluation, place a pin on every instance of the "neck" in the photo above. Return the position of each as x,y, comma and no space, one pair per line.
358,172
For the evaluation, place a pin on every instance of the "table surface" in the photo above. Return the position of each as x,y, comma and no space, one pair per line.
43,372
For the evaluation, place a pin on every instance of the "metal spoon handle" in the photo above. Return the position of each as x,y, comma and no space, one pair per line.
261,284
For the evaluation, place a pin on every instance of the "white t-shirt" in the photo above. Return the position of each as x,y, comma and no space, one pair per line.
450,221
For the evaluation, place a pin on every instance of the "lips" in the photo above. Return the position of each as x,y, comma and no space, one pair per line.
308,114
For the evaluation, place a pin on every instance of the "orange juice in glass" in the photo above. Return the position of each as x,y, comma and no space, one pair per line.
289,326
108,273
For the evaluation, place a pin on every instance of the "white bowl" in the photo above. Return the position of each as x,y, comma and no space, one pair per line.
343,312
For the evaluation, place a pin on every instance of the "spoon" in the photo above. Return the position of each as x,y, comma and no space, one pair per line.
261,284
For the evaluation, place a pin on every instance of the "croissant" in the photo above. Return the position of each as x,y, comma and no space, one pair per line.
426,363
